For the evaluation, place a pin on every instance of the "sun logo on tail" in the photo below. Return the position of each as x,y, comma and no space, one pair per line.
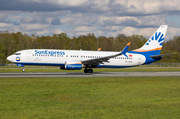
157,37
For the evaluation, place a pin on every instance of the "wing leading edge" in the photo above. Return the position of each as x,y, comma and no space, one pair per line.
98,61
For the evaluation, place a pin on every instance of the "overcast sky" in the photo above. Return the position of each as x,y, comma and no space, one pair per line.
80,17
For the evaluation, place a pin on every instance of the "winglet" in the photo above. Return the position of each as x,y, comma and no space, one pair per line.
125,49
99,49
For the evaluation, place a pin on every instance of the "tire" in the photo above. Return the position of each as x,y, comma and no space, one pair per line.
90,70
86,70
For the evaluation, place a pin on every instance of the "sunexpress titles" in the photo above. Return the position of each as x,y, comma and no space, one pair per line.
47,52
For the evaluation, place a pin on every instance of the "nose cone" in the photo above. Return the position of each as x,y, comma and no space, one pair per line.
10,58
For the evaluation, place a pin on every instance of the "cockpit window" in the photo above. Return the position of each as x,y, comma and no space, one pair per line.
17,53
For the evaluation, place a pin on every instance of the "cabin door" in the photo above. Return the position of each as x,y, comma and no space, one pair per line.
28,54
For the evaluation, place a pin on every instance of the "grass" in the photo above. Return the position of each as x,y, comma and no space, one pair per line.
93,98
4,69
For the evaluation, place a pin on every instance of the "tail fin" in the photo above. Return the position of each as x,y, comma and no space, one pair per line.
155,42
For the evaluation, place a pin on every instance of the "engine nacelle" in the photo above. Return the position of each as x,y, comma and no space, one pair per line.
72,66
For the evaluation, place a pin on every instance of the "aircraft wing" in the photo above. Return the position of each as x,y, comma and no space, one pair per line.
98,61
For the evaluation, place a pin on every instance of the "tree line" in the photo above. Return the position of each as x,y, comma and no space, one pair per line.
12,42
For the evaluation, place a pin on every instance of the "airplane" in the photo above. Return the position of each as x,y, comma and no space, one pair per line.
79,59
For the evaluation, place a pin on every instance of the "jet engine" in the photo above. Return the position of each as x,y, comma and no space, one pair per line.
72,66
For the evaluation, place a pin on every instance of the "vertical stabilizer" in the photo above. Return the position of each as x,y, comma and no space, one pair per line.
155,42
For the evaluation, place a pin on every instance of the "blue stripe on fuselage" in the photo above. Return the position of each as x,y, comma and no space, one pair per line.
114,66
40,64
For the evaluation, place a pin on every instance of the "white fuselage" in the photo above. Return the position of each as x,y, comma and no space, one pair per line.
54,57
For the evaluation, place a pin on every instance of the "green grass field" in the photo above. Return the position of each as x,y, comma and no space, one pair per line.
90,98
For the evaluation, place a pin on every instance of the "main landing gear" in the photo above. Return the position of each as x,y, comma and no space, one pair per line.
23,69
88,70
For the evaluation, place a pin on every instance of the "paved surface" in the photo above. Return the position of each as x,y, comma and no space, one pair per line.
95,74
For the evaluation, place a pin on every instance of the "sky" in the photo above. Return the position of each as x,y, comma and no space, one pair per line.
80,17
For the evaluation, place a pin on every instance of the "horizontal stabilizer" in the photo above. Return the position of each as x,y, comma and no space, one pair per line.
161,55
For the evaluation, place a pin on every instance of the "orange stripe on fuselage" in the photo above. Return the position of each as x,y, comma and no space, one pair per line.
141,50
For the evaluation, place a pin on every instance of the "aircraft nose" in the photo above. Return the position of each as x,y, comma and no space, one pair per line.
10,58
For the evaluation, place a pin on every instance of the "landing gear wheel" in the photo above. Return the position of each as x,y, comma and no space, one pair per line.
90,70
23,69
86,70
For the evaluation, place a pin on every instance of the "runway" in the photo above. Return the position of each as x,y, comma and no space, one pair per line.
95,74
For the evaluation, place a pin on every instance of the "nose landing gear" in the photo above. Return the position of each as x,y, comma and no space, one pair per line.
88,70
